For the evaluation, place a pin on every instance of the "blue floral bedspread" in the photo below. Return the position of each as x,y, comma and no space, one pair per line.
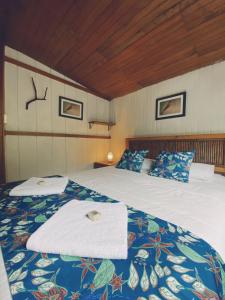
165,261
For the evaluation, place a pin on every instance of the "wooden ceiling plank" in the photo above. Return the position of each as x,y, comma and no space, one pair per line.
167,60
52,45
115,16
121,45
211,27
25,25
34,20
154,58
140,73
175,42
207,33
118,46
138,51
107,18
183,66
55,19
18,15
176,66
75,23
197,62
215,56
170,71
215,44
121,61
200,32
200,12
120,17
162,10
133,30
142,46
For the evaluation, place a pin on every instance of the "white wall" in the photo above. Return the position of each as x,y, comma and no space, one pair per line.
134,114
39,156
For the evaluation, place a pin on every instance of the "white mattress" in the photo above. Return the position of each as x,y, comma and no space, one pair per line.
198,206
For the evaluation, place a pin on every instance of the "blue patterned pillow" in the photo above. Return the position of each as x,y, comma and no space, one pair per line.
132,160
173,165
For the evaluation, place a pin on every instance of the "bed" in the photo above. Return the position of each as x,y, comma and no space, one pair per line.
173,230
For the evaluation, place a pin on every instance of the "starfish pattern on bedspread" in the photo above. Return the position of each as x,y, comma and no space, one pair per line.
164,261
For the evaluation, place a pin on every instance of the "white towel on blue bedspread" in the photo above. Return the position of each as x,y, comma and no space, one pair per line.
70,232
40,186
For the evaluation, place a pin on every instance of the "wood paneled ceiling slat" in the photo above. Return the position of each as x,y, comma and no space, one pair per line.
126,35
115,47
74,26
114,17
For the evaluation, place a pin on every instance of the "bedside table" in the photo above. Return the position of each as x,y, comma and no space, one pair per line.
102,164
220,170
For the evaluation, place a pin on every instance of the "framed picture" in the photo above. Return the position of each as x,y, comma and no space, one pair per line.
69,108
172,106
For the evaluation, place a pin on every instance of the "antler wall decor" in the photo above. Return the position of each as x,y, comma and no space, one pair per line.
35,95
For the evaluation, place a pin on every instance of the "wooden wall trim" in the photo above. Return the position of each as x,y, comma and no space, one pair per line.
2,95
179,137
53,134
51,76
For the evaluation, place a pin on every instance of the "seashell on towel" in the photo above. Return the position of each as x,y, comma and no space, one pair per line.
93,215
41,182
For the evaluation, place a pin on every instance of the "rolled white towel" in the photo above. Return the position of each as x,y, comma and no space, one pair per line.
40,186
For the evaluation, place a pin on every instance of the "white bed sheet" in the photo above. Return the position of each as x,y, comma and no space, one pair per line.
198,206
4,285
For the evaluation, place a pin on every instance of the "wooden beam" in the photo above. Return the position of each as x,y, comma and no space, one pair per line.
2,94
53,134
54,77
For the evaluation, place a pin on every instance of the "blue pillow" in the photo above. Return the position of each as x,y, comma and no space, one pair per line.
132,160
173,165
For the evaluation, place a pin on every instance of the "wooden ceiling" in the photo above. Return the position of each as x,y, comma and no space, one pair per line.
118,46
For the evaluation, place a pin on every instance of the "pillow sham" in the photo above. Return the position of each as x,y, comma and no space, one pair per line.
201,171
132,160
173,165
147,165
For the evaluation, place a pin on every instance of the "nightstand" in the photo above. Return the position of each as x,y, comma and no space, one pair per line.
102,164
220,170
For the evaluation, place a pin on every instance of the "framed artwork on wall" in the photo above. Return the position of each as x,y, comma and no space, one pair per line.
69,108
172,106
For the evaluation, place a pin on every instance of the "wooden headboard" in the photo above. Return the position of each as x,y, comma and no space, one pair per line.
209,148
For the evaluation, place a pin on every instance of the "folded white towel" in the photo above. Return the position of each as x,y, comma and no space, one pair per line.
40,186
70,232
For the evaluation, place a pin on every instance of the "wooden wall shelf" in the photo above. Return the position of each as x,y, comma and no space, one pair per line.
109,124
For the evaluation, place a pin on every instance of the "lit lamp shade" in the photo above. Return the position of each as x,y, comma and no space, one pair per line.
110,156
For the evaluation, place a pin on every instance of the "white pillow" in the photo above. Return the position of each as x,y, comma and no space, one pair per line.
147,165
201,171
